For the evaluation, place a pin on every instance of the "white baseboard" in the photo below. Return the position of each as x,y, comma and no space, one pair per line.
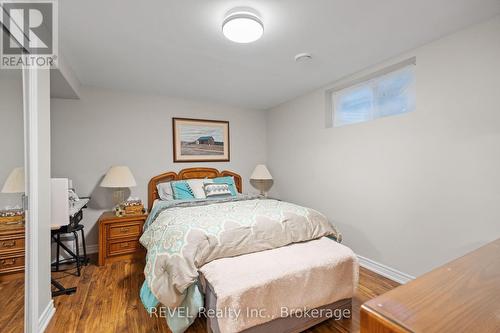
46,316
90,249
384,270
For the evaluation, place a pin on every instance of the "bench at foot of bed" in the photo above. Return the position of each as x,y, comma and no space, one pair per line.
288,289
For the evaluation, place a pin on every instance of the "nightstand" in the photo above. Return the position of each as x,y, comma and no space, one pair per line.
119,237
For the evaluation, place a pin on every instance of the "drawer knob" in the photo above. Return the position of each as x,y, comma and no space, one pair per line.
124,245
9,244
124,230
8,262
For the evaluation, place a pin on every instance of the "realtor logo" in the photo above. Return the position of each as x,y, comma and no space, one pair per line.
30,34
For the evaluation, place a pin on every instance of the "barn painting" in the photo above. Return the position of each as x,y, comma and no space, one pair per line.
200,140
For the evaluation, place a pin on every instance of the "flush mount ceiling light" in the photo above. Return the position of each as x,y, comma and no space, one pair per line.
242,25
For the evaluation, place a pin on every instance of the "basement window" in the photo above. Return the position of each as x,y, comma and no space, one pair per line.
386,93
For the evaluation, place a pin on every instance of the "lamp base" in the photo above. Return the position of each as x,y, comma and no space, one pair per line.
263,195
118,196
263,185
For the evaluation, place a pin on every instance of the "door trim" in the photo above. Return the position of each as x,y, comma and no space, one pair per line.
31,183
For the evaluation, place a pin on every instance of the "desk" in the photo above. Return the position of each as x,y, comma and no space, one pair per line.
461,296
75,213
75,216
73,226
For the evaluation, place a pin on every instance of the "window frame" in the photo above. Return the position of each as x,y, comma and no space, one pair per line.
355,82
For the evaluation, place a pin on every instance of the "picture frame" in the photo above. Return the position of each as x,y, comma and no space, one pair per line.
200,140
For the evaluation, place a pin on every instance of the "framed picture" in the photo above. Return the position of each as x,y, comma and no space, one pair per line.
198,140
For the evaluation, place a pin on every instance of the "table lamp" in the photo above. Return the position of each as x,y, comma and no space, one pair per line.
261,179
119,178
15,184
15,181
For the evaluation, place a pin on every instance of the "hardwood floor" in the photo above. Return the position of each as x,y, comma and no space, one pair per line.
12,306
107,301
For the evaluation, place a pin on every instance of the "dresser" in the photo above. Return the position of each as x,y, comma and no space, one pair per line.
11,251
461,296
119,237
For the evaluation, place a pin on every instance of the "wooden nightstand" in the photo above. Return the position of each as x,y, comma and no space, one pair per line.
119,237
11,251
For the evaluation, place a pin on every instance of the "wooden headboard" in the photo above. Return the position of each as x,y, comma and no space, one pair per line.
190,173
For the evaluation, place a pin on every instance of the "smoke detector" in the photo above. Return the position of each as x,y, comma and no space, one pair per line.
302,57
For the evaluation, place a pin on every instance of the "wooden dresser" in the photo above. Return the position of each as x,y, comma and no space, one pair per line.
461,296
11,251
119,237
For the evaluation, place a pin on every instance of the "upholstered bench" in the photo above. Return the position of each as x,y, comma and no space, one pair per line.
288,289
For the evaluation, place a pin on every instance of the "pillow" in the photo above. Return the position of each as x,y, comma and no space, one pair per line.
217,190
165,191
229,180
181,190
196,186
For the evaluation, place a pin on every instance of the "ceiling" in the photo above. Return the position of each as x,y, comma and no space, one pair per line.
176,48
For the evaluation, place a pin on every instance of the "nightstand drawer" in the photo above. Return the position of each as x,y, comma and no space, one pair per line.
124,230
12,263
129,246
12,244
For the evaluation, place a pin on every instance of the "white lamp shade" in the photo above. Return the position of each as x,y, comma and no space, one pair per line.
15,181
118,176
261,172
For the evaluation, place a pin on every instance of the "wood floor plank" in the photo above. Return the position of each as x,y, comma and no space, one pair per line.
69,307
12,306
107,300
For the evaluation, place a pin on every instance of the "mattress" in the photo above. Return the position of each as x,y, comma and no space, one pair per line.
262,287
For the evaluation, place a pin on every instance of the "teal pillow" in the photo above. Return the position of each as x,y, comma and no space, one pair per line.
181,190
229,181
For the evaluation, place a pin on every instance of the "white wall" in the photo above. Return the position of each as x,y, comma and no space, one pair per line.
411,191
11,130
106,128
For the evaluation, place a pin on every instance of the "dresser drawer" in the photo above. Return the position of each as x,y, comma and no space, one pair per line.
12,263
124,230
13,244
129,246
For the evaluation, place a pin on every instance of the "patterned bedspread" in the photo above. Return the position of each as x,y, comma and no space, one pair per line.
182,237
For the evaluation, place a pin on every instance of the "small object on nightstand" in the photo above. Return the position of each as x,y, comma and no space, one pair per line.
130,207
12,216
119,237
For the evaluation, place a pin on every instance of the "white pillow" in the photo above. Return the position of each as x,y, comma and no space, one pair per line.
196,186
217,190
165,191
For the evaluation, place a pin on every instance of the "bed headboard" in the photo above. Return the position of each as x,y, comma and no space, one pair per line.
189,173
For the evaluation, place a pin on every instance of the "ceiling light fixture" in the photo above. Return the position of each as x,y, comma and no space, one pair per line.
242,25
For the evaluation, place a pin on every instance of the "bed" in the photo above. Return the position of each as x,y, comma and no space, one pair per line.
239,253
